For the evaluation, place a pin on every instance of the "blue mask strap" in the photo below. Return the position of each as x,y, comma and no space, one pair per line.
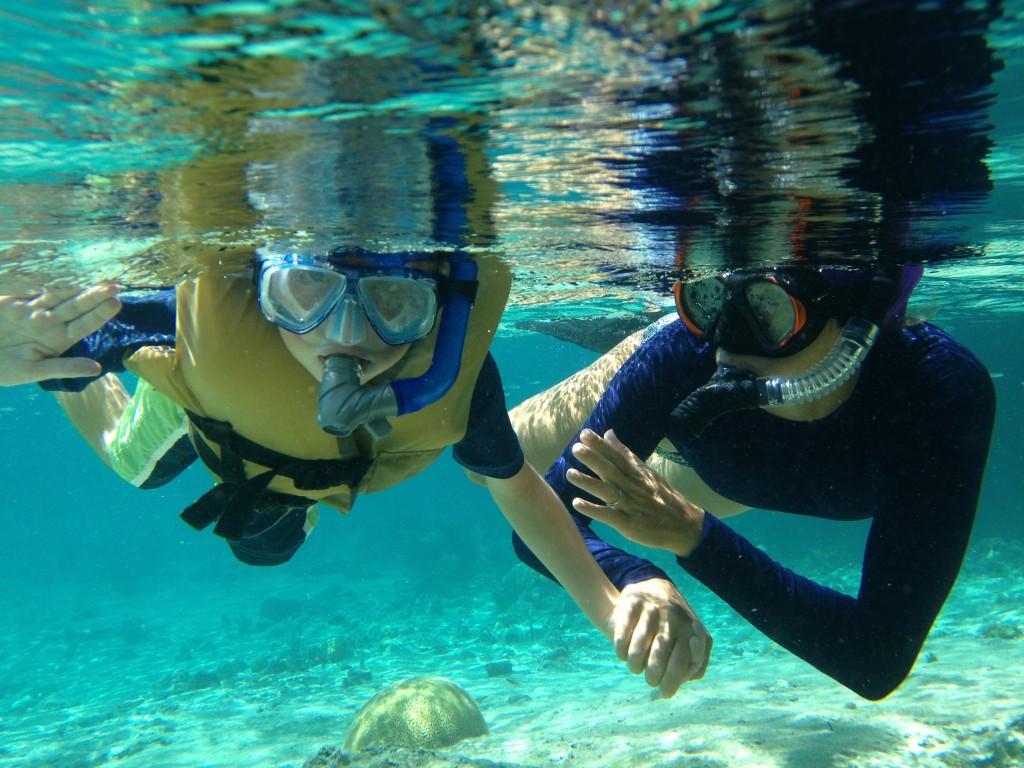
460,292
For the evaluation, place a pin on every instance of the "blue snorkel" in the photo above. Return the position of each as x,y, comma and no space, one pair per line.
345,405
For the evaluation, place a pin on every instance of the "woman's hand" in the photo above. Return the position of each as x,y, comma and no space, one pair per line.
657,632
36,328
639,503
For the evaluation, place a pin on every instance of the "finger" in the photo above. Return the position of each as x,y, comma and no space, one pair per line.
610,448
644,632
583,481
20,298
678,670
613,440
83,301
627,613
659,656
92,320
700,650
601,512
594,457
48,298
64,368
605,491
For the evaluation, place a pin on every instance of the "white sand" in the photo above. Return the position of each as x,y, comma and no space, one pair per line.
193,676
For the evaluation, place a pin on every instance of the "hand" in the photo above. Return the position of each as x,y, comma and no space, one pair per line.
658,633
35,329
639,503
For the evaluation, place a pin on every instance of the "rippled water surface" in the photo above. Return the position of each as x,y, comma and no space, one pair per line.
598,147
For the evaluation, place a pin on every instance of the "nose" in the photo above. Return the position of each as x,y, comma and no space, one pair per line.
346,325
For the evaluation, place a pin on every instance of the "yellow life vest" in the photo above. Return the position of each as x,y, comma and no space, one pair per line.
230,365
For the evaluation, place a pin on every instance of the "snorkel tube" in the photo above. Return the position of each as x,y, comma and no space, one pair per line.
734,389
345,405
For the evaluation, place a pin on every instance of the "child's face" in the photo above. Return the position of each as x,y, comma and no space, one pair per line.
310,349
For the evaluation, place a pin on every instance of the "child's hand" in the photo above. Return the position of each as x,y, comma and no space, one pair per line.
657,632
36,328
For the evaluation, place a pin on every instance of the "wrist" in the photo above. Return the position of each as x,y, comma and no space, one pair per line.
692,531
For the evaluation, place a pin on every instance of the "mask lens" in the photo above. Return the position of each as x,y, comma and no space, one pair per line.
298,297
699,302
400,309
774,310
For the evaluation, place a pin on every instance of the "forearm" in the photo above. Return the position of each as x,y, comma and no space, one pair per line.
543,523
95,412
868,645
621,567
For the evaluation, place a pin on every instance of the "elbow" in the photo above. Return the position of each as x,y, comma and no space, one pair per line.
877,688
878,680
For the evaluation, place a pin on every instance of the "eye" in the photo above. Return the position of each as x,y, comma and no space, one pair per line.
308,288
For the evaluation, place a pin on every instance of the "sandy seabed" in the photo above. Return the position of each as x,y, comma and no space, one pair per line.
199,674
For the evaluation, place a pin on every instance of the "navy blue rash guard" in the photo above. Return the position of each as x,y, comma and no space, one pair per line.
907,449
489,447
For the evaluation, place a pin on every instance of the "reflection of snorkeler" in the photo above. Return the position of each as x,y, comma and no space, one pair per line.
773,392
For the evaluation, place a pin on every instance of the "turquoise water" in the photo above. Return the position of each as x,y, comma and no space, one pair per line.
131,640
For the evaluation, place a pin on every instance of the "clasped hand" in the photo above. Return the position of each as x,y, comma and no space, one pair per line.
37,327
657,632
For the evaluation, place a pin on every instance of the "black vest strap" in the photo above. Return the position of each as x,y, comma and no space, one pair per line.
233,501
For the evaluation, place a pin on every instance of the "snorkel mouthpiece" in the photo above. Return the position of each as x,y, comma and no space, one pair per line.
736,389
730,389
345,405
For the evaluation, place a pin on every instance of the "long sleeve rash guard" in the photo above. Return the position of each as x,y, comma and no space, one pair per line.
907,450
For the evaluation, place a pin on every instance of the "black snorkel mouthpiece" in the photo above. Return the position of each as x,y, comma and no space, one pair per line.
730,389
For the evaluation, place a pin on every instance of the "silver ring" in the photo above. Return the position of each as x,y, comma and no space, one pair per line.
614,503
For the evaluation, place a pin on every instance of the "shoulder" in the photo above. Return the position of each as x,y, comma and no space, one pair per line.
939,358
669,352
939,371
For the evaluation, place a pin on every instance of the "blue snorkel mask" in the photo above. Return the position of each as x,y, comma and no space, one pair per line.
352,289
300,292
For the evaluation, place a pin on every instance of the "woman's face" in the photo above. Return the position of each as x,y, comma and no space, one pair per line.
311,349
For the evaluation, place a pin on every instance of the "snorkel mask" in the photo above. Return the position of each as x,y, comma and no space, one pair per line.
777,314
352,289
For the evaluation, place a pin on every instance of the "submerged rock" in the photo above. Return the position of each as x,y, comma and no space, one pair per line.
429,712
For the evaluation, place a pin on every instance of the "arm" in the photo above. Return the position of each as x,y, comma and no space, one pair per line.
140,437
145,319
636,405
654,628
931,463
915,548
539,518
